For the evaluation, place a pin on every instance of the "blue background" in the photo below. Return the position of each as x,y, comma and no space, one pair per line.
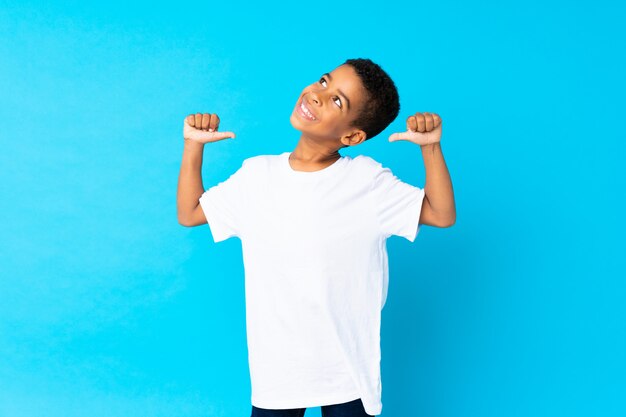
109,307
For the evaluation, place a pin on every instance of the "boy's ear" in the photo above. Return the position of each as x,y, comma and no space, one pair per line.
353,138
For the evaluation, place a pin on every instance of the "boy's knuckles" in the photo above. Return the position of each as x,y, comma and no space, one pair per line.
205,121
213,122
411,123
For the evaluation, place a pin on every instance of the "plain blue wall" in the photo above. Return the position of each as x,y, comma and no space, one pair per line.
109,307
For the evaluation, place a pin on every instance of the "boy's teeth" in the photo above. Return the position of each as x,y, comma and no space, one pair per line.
304,109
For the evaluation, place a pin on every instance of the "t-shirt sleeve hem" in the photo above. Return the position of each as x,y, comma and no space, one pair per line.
217,232
415,215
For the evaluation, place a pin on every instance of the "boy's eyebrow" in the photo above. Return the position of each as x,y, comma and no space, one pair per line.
340,92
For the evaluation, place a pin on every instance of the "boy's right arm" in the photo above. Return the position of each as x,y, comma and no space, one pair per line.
198,130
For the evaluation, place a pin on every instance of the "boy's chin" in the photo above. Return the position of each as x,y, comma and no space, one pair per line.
297,124
303,129
313,134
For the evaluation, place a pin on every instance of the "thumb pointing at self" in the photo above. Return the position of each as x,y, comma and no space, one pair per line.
421,129
419,138
204,136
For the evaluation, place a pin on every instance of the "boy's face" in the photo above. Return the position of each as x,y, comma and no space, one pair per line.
335,100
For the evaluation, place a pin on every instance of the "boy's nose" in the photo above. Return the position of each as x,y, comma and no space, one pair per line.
314,98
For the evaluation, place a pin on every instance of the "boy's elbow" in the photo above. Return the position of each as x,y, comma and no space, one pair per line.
195,217
445,221
184,220
450,222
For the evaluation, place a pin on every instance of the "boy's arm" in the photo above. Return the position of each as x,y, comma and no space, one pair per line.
438,208
198,129
438,205
190,186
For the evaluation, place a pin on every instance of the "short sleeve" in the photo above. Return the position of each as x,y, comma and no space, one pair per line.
398,204
223,205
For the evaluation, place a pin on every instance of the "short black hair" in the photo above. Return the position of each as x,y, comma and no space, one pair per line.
382,102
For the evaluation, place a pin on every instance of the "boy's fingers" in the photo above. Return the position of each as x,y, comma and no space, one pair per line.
206,119
215,121
411,123
195,128
198,135
421,122
436,119
428,119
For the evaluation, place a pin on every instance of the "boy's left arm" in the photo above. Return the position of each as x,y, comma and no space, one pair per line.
438,208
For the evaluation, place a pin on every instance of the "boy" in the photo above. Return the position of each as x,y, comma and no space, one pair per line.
313,226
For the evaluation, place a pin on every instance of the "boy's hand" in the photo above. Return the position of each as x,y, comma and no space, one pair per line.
202,128
421,129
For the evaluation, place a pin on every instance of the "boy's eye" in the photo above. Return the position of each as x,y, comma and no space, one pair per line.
323,80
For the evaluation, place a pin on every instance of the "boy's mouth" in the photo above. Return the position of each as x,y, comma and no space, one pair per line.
304,112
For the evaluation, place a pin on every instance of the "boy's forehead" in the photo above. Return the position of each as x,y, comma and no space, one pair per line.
347,79
345,73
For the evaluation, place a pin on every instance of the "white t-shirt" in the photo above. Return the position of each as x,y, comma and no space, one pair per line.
316,273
